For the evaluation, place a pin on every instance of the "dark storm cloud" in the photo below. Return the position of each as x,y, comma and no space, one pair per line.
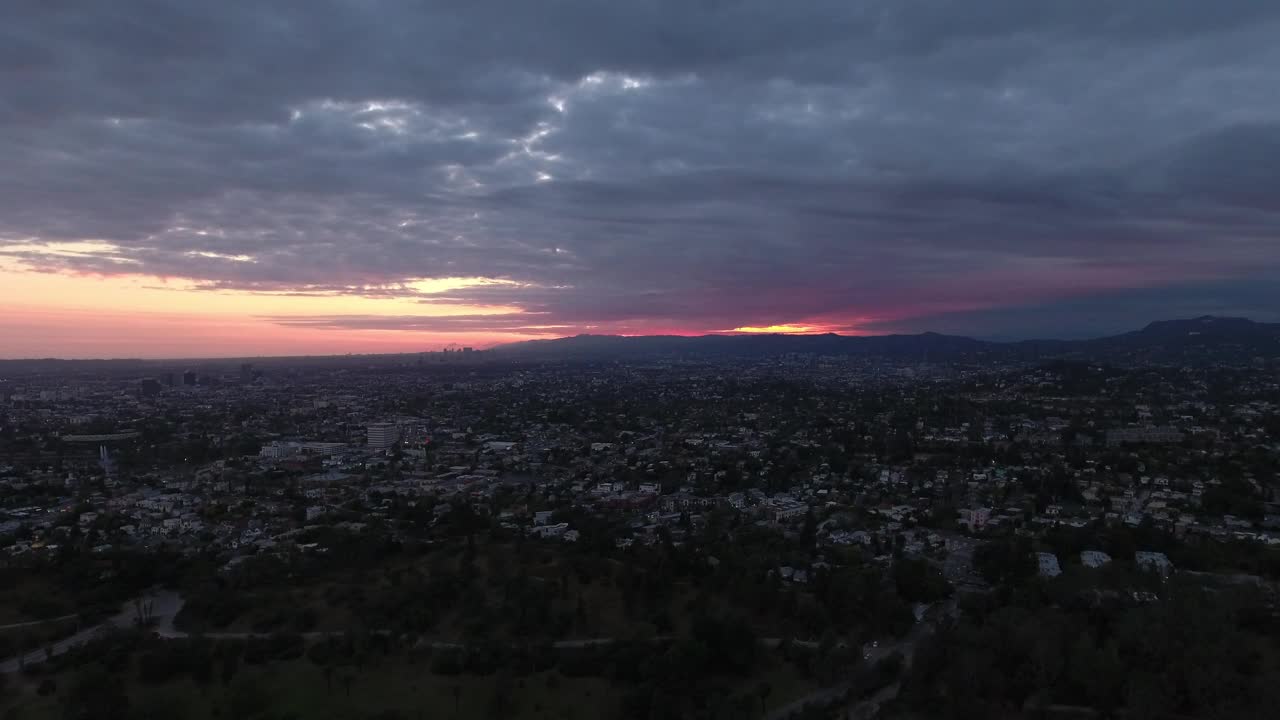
653,165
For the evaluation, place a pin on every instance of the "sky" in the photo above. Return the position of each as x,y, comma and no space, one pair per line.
182,179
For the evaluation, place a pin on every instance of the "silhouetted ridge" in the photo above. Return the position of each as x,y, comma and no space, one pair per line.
1208,336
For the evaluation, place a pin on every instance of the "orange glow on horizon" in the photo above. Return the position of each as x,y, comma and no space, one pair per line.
36,333
786,329
50,314
81,315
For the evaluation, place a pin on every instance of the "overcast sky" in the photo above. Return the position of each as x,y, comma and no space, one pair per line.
999,168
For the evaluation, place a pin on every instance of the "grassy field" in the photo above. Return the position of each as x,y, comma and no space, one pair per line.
332,600
300,689
19,599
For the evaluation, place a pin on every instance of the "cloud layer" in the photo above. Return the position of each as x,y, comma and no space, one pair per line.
985,167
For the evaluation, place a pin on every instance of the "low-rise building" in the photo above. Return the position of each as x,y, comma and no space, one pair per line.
1048,565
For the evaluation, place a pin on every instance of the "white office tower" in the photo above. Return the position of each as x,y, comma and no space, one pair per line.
383,435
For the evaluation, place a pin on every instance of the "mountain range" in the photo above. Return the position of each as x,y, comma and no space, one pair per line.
1198,339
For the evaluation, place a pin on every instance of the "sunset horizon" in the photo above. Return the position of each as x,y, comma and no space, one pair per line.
351,178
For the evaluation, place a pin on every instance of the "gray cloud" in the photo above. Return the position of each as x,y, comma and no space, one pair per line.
1111,312
654,165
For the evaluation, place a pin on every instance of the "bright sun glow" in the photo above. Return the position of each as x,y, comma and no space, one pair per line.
793,329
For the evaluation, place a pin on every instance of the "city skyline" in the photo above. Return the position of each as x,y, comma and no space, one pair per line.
327,178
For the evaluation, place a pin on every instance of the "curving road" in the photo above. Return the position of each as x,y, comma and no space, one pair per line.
868,707
164,606
33,623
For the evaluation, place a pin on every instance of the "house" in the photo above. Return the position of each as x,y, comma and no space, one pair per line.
787,511
546,531
975,518
1143,435
1094,558
845,537
1157,561
683,501
277,450
793,575
1049,566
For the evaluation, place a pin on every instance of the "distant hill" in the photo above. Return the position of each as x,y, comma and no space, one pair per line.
1199,339
766,344
1203,338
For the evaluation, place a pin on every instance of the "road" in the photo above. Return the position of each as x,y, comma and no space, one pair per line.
868,707
33,623
164,606
829,695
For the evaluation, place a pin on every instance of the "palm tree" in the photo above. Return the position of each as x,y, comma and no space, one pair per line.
142,611
763,690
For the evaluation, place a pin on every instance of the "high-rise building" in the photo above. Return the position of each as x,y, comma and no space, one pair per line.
167,379
189,378
149,387
382,435
246,372
105,461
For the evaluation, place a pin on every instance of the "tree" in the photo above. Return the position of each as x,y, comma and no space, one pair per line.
95,695
247,698
230,664
166,706
1005,560
500,701
1147,696
763,690
918,581
809,532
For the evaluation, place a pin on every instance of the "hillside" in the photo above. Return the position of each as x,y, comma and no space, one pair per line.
1205,337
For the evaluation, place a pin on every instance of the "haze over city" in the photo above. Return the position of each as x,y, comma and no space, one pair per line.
222,179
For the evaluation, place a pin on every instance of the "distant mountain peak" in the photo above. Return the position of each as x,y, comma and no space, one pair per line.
1199,323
